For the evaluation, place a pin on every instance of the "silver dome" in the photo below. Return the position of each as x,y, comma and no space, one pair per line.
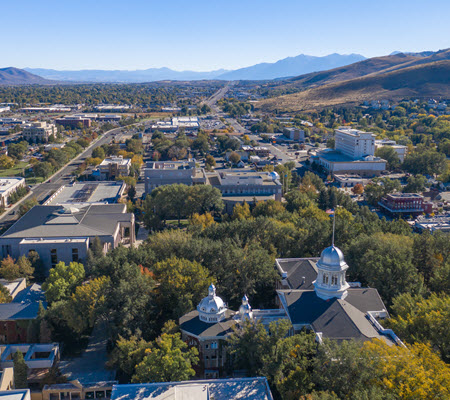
332,258
211,304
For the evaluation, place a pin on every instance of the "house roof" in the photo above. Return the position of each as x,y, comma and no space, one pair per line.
336,318
217,389
191,323
25,305
57,221
297,268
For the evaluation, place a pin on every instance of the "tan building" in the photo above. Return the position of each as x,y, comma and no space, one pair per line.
39,132
74,390
112,167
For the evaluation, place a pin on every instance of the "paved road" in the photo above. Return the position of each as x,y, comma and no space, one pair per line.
212,101
62,177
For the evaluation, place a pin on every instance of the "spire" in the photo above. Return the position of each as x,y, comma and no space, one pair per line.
212,290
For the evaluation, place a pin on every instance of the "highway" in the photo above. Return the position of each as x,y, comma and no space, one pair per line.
62,177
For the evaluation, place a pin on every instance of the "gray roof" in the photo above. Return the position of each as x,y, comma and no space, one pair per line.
25,305
335,318
296,269
51,221
217,389
190,323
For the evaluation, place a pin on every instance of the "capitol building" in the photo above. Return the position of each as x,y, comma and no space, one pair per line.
312,293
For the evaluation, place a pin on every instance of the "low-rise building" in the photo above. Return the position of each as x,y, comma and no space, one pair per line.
59,233
433,224
6,379
36,356
16,316
216,389
8,186
75,390
74,121
20,394
404,204
112,167
294,134
160,173
39,132
399,149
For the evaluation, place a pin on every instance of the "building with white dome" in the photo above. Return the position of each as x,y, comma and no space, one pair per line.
313,294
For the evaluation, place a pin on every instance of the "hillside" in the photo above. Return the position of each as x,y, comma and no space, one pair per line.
16,76
375,65
423,80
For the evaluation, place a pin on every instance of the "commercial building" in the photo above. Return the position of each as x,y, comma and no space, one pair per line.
112,108
39,132
36,356
112,167
189,124
60,233
294,134
436,223
16,316
80,194
5,109
73,122
8,186
353,154
216,389
238,186
160,173
400,204
51,109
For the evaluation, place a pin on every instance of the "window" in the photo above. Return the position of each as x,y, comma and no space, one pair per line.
334,280
325,279
214,345
54,257
74,255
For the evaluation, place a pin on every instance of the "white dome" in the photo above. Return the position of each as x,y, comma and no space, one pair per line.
332,258
274,175
212,307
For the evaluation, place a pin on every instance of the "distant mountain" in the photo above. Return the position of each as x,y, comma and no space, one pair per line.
422,80
16,76
291,66
375,65
147,75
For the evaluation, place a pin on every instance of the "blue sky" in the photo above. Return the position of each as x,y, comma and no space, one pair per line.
206,35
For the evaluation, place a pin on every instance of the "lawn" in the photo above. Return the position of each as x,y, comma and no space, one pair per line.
16,170
173,223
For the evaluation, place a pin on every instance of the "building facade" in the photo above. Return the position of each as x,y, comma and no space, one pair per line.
112,167
39,132
398,204
8,186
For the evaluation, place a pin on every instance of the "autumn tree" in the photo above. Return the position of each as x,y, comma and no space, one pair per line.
234,158
168,360
63,280
358,189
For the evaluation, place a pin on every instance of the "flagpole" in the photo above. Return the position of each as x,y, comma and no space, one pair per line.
334,225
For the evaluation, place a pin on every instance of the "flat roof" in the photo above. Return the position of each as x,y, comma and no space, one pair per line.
8,183
88,192
21,394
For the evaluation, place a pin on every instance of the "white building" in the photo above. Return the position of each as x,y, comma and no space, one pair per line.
7,187
39,132
399,149
354,143
5,108
112,167
353,154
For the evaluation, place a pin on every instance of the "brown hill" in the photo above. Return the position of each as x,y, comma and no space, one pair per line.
375,65
422,80
16,76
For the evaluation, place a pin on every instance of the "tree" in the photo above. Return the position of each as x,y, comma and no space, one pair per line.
169,360
6,162
416,319
234,158
27,205
415,372
97,247
85,304
210,161
358,189
201,144
181,285
201,220
5,296
26,270
241,211
98,152
20,371
43,169
131,193
380,187
415,184
384,261
389,154
426,161
63,280
9,270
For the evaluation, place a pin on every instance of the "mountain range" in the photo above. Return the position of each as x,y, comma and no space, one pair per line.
391,77
290,66
16,76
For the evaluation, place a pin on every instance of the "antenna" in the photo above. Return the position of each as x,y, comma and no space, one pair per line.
334,226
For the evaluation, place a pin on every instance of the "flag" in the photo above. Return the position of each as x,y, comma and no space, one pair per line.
330,212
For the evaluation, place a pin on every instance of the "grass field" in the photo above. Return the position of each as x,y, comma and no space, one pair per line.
16,170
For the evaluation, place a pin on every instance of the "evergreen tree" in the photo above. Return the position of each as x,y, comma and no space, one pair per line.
20,371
